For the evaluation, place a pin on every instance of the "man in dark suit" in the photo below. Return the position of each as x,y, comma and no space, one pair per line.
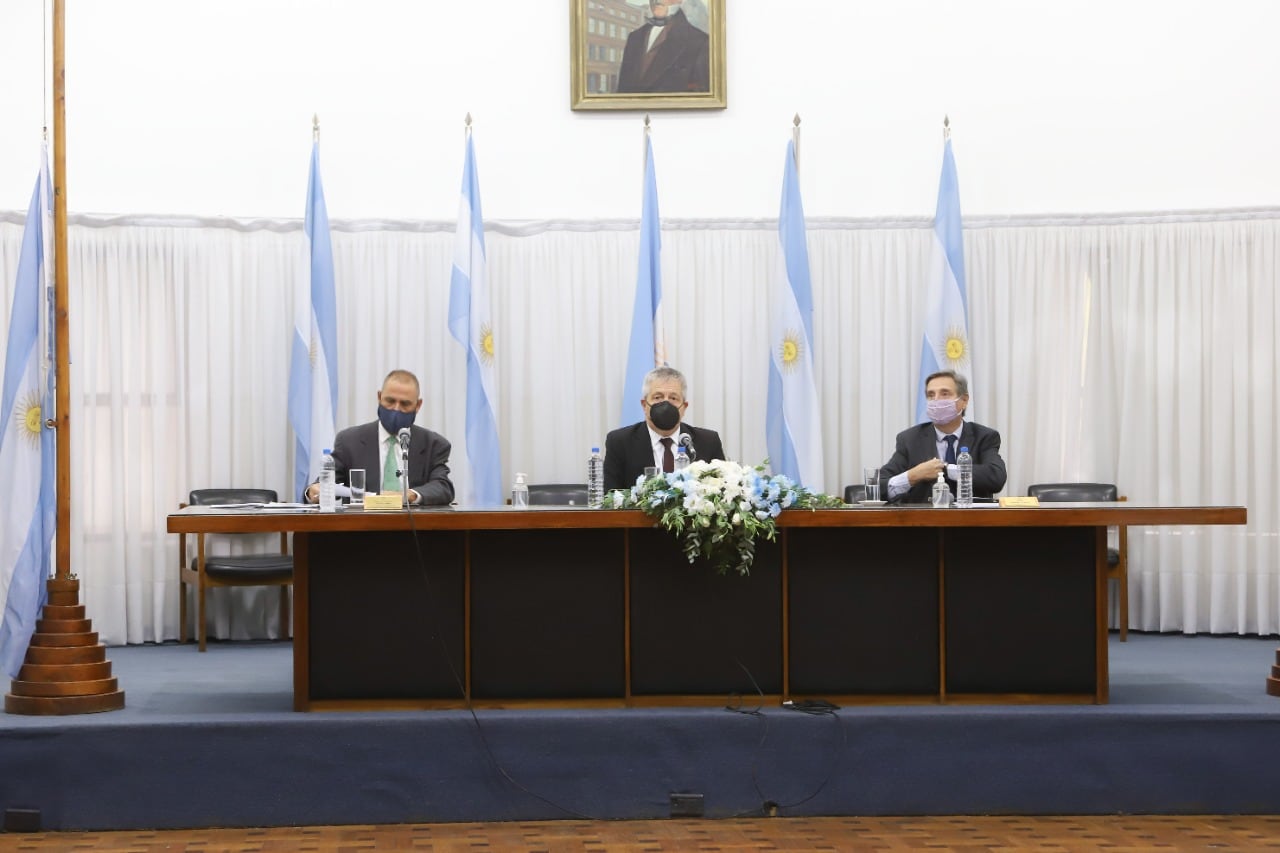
655,440
925,449
668,54
368,446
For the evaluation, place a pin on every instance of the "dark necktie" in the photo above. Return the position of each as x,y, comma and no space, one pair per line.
668,459
950,458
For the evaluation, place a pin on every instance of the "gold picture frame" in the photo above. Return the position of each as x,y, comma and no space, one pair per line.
682,69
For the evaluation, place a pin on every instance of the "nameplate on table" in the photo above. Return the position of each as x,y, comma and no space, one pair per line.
1020,500
377,503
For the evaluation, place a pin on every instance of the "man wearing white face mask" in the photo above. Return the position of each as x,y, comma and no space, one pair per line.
925,449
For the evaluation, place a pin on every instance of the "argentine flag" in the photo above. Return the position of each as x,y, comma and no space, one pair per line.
27,447
946,329
313,373
793,427
648,349
471,323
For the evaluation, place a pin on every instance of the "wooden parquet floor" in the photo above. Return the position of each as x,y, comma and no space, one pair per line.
1120,834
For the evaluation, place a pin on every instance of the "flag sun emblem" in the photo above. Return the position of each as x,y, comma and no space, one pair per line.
955,348
28,421
791,350
486,344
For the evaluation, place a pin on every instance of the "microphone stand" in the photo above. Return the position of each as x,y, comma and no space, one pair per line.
404,475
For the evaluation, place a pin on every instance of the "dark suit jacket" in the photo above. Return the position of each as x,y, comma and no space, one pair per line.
917,444
357,447
628,451
681,62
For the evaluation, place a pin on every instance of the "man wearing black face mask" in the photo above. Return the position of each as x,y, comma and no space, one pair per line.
926,449
374,447
656,440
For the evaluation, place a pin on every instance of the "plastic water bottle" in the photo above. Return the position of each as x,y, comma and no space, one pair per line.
595,479
328,477
682,458
520,493
964,482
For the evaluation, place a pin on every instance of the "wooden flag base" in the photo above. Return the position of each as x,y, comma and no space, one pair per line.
1273,680
66,670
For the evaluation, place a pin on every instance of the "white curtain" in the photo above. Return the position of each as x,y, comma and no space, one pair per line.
1139,350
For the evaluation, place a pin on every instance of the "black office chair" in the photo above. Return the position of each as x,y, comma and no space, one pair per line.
558,494
208,570
853,494
1118,557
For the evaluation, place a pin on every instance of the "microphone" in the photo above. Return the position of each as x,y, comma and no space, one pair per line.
403,438
686,441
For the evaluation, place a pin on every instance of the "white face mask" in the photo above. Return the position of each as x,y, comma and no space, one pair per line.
942,411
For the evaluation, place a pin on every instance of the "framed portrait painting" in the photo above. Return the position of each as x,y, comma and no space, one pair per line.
647,54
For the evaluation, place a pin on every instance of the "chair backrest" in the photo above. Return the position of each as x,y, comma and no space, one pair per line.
205,497
564,494
855,493
1073,492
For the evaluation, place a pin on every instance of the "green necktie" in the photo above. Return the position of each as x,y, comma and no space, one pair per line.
390,482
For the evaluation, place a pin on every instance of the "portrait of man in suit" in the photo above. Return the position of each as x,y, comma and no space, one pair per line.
668,53
647,54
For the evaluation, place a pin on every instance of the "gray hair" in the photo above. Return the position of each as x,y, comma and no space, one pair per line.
962,384
661,374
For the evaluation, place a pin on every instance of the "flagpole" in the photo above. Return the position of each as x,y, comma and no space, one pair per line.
644,148
795,137
62,378
55,677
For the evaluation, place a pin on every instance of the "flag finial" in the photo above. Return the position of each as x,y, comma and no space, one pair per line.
946,127
315,126
796,121
646,123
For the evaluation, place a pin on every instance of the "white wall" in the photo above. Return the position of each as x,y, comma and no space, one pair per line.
204,107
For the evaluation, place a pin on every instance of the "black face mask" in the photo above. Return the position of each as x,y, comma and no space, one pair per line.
394,420
664,415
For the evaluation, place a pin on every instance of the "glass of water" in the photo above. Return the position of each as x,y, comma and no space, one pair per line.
355,477
871,479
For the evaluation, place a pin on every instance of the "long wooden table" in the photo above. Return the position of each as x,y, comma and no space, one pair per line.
577,607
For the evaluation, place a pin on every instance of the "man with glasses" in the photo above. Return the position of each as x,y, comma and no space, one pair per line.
655,441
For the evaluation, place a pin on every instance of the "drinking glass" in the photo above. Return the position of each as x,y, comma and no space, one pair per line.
355,477
871,479
650,471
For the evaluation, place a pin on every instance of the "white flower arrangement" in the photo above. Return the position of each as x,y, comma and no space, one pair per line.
718,509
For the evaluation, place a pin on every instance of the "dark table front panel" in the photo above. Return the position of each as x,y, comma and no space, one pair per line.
382,624
863,611
1020,612
696,632
547,614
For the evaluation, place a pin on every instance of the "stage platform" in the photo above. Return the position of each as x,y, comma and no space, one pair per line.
211,740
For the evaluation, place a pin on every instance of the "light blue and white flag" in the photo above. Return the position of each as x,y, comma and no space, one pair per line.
313,373
27,448
793,426
946,327
471,323
648,347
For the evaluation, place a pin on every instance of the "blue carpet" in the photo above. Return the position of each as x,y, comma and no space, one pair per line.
211,740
